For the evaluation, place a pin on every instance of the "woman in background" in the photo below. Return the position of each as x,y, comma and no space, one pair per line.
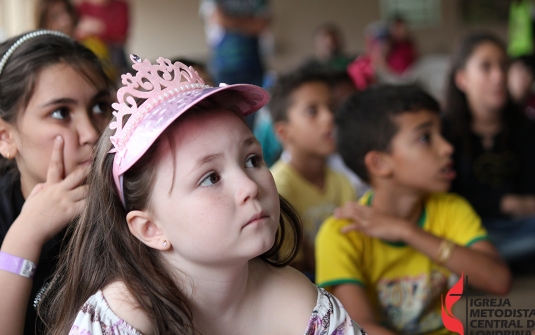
494,145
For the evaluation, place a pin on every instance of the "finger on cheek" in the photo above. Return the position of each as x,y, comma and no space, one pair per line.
58,146
55,168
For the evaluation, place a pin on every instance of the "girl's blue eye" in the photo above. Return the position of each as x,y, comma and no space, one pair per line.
253,161
60,114
212,179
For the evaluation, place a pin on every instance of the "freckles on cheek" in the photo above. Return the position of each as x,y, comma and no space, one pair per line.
216,210
204,207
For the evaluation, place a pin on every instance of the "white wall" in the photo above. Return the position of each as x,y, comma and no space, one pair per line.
172,28
166,28
16,16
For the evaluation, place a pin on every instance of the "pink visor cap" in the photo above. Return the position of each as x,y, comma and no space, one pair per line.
168,91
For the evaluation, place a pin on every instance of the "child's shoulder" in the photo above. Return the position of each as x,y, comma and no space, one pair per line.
451,216
286,282
448,201
449,212
124,305
301,307
330,237
333,225
283,285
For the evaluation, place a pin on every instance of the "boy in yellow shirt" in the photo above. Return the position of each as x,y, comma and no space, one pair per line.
304,122
390,258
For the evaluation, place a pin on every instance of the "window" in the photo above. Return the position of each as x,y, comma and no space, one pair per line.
417,13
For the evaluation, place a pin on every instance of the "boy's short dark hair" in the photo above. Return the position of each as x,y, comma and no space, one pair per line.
365,122
286,84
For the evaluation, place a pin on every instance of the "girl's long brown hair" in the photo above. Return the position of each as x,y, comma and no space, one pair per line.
102,249
456,109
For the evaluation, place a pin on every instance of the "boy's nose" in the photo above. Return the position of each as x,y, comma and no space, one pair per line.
246,188
328,116
447,148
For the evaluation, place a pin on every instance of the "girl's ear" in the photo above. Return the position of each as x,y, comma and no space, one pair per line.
460,80
378,164
8,148
143,227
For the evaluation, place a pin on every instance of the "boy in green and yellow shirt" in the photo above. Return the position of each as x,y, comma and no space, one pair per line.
389,259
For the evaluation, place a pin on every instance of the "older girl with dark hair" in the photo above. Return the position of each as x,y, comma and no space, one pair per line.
54,100
494,145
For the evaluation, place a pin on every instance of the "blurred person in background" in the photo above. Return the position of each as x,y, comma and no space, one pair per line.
329,51
233,30
402,53
301,108
58,15
103,27
520,78
366,68
494,145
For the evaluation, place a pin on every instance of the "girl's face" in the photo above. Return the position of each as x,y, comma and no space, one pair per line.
64,103
327,43
58,18
484,78
520,81
218,203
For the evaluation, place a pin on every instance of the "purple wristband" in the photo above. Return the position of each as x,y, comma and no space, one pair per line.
17,265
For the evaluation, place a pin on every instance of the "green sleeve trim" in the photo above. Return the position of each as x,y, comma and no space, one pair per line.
340,282
477,239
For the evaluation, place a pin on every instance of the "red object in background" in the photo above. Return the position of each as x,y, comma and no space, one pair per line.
114,15
401,56
362,72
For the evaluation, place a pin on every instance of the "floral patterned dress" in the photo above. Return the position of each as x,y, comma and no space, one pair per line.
96,318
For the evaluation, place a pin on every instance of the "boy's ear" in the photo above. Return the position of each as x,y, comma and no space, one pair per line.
378,164
281,130
460,80
8,148
143,227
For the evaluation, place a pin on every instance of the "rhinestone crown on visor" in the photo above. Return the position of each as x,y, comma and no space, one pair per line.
154,83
